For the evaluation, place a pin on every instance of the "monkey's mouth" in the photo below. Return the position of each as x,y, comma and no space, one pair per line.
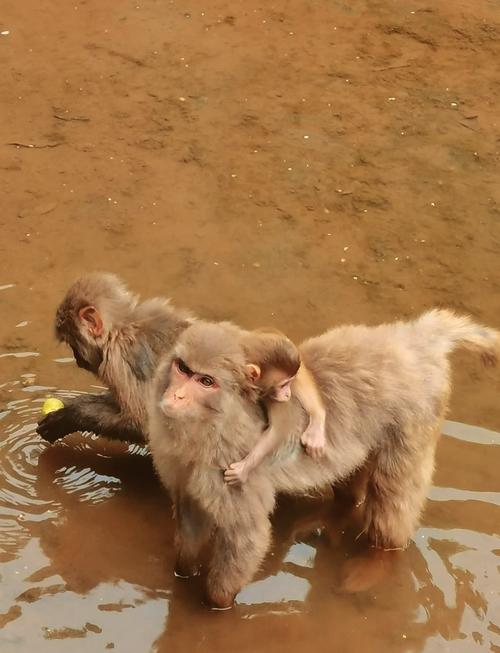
188,414
175,413
167,410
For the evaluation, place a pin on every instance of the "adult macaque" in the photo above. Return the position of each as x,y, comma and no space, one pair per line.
277,374
120,340
385,390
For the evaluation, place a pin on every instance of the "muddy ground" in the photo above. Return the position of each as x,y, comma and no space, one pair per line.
297,164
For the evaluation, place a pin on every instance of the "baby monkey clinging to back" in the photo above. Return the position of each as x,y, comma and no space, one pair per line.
276,370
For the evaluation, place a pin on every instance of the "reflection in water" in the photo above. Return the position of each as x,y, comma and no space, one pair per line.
19,354
88,485
471,433
301,554
86,555
454,494
283,587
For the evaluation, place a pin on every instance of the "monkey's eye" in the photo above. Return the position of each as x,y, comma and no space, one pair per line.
206,381
182,367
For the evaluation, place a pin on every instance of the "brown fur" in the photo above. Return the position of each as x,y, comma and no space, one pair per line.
124,356
271,350
277,373
386,391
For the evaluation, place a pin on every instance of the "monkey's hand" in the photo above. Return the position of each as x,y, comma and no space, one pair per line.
313,440
237,473
99,414
57,424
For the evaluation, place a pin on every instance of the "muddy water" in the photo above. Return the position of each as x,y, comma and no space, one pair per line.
296,164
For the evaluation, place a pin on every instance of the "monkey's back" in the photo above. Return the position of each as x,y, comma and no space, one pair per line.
382,373
374,381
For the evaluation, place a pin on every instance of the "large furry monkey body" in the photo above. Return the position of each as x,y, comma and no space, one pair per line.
385,390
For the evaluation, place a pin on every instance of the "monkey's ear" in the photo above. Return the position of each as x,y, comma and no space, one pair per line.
93,321
253,372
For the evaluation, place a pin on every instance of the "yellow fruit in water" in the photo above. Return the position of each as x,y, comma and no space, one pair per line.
52,404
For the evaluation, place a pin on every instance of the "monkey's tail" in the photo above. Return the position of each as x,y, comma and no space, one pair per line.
451,331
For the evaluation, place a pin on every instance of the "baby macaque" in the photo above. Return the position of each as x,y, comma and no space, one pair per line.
277,373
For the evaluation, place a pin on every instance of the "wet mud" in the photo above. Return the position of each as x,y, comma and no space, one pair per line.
299,164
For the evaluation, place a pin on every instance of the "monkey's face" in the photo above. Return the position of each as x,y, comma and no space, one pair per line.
83,332
87,353
189,394
283,392
205,378
88,358
279,385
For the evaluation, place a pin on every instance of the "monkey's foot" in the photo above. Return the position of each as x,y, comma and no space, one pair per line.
186,570
220,600
178,574
388,546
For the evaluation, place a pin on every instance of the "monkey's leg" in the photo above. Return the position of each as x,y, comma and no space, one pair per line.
193,531
354,489
240,545
99,414
398,486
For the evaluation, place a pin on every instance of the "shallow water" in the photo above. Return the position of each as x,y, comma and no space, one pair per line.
295,164
86,555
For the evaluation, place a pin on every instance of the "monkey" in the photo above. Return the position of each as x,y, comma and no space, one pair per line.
120,340
385,389
277,372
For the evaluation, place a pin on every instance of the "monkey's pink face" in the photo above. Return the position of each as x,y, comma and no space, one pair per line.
188,393
279,384
283,391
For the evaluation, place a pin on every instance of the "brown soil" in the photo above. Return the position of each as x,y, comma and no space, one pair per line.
299,164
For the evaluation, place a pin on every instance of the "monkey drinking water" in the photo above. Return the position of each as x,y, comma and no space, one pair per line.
385,390
277,373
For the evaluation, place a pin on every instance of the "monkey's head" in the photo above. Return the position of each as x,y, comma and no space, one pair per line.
273,362
275,382
206,373
93,305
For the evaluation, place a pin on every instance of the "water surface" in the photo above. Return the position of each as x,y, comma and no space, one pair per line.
290,164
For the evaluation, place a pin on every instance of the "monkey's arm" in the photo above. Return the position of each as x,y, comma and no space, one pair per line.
269,441
306,390
99,414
